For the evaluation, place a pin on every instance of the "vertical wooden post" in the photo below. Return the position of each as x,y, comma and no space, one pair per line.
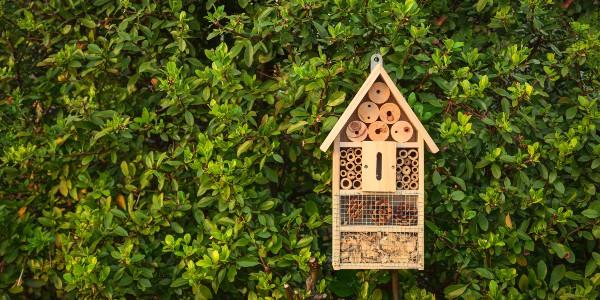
421,203
335,199
395,289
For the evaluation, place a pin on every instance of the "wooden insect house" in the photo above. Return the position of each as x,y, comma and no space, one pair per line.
377,179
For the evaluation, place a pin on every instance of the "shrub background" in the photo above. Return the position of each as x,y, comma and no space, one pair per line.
169,149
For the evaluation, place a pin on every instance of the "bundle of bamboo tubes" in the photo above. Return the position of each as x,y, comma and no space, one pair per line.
407,169
350,168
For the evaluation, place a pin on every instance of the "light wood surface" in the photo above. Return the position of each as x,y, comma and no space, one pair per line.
387,181
379,93
389,113
356,131
402,131
368,112
378,131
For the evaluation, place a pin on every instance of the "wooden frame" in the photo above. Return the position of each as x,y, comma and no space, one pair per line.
378,227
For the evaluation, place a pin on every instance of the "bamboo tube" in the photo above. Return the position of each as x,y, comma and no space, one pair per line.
402,131
378,131
415,170
358,176
351,175
358,160
405,179
350,150
368,112
414,177
413,154
343,173
399,162
350,157
407,162
405,186
406,170
399,185
343,153
389,113
379,92
415,163
403,153
413,185
358,151
356,184
349,166
346,183
343,162
356,131
357,168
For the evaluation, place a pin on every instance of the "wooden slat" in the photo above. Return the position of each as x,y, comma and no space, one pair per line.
387,181
360,192
421,204
376,228
378,266
335,189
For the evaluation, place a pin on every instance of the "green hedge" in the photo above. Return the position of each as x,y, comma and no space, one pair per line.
160,149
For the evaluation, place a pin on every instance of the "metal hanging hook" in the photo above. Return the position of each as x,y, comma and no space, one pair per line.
376,59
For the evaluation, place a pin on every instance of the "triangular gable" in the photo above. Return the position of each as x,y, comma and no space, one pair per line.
375,73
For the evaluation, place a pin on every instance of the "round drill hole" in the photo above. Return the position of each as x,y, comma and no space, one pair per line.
377,131
368,105
378,91
406,129
356,132
389,113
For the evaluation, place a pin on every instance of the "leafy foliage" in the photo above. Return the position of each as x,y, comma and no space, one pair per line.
170,148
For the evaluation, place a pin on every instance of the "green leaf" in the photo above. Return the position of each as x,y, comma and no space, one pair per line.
245,146
124,168
120,231
542,270
329,123
454,291
591,213
247,261
297,126
458,195
336,99
496,171
558,273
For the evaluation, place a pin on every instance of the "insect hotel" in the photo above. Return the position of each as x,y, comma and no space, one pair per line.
377,179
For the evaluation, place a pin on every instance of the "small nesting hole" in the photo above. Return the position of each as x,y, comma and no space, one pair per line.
378,91
377,131
389,113
406,129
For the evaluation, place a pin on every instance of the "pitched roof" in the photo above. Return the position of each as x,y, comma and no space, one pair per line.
376,72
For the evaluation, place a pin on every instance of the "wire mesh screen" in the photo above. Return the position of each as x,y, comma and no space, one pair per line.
378,209
379,247
407,169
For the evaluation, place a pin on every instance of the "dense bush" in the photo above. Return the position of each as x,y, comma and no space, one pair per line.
170,150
